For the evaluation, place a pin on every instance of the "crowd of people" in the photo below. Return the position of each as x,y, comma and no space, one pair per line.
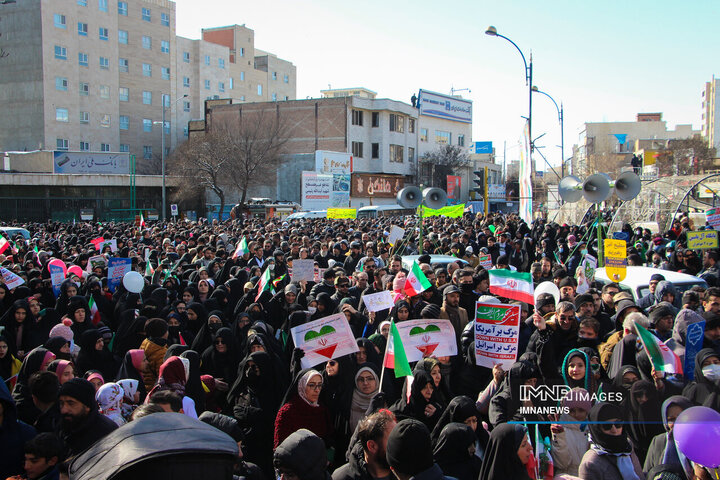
208,337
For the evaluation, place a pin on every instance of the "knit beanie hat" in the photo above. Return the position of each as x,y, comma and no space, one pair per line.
81,390
304,453
409,449
430,311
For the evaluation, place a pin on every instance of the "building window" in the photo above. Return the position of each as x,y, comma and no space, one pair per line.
105,63
396,153
357,149
221,86
461,140
186,81
147,152
221,62
82,3
124,148
84,89
242,98
165,73
397,123
411,125
103,5
147,98
242,51
207,60
124,122
60,52
59,21
147,125
147,70
186,131
124,94
375,119
146,42
84,146
274,97
165,100
164,46
146,14
166,128
84,117
357,117
83,59
423,134
286,78
375,147
411,154
443,138
186,57
82,29
62,144
122,8
103,33
274,75
232,83
123,65
165,19
61,115
61,83
123,37
104,91
104,147
259,89
186,106
207,84
242,76
287,98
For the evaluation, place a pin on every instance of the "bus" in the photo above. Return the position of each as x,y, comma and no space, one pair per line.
375,211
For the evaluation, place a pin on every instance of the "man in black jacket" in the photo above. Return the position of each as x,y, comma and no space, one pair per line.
81,424
367,457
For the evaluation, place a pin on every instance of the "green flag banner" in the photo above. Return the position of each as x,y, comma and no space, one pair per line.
452,211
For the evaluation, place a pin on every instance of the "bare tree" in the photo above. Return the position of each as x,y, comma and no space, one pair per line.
203,162
685,156
256,140
443,162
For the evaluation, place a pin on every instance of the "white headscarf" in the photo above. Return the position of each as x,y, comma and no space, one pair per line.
302,384
109,397
130,387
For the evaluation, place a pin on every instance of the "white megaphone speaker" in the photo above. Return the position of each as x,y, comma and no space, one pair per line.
434,198
570,189
409,197
596,188
627,186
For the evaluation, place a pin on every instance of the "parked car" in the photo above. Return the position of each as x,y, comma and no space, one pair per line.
637,280
12,231
441,260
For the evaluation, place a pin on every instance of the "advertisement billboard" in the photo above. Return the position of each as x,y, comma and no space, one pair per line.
91,162
453,187
370,185
444,106
316,191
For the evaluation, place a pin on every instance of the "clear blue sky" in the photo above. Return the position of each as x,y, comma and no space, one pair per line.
606,61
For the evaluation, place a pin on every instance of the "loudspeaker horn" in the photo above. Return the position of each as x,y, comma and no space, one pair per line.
627,186
596,188
570,189
434,198
409,197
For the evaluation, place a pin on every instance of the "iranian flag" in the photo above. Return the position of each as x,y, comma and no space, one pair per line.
265,283
142,221
661,356
241,249
395,356
4,244
513,285
94,312
149,270
416,281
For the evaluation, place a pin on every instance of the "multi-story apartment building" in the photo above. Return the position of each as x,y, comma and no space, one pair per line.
711,113
96,75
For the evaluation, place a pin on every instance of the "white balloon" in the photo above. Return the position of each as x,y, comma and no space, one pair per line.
548,287
133,282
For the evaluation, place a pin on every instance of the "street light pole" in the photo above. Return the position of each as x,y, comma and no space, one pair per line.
562,129
162,147
492,31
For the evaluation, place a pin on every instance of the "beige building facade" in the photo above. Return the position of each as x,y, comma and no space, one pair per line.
96,75
711,113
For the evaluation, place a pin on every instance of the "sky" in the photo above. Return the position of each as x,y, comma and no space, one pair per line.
604,61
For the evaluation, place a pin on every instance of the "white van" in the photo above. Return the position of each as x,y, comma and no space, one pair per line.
311,214
637,280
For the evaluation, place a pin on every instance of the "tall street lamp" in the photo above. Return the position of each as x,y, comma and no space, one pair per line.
492,31
162,145
562,130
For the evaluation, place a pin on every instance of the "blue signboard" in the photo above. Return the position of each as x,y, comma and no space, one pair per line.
91,162
444,106
693,343
482,147
621,236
